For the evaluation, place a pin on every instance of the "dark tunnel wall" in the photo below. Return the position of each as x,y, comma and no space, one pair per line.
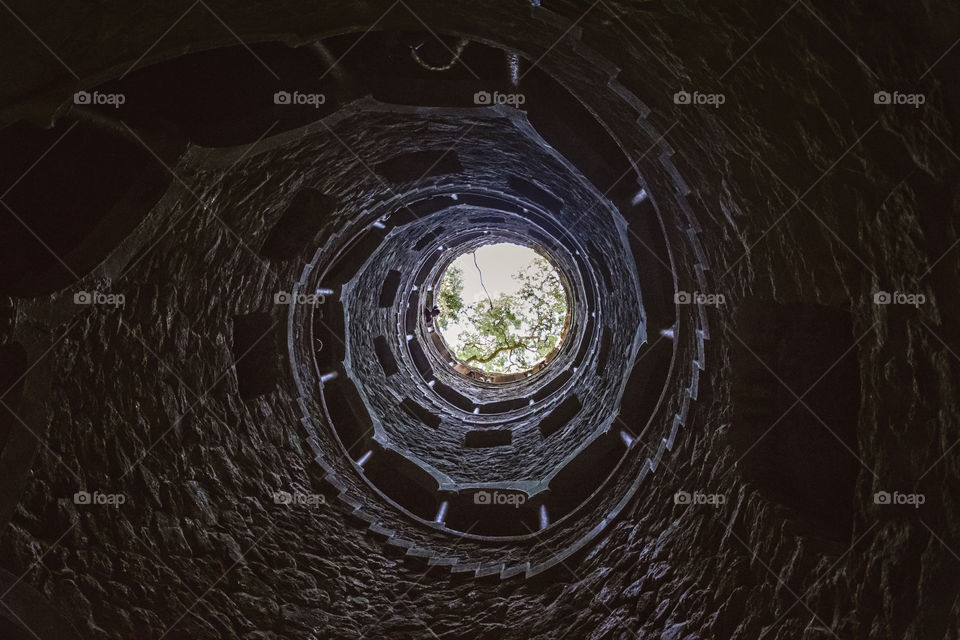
796,201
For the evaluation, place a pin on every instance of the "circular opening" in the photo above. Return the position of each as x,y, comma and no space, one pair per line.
501,309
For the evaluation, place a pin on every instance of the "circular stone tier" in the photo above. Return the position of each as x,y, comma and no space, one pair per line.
431,456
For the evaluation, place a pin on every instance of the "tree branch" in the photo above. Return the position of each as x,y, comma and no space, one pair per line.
498,351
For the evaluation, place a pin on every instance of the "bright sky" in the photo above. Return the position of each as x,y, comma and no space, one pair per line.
498,263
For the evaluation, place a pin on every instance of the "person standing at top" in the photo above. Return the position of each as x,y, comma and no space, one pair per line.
431,314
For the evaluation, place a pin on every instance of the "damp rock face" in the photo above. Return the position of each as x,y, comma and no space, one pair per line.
785,180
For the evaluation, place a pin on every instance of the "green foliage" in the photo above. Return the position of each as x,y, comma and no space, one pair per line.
511,332
450,296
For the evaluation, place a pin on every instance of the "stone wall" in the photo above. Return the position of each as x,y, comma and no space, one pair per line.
804,196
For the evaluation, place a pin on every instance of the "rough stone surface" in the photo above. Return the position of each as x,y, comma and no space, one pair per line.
806,191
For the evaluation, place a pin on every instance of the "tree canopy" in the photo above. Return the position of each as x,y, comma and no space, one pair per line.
508,333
